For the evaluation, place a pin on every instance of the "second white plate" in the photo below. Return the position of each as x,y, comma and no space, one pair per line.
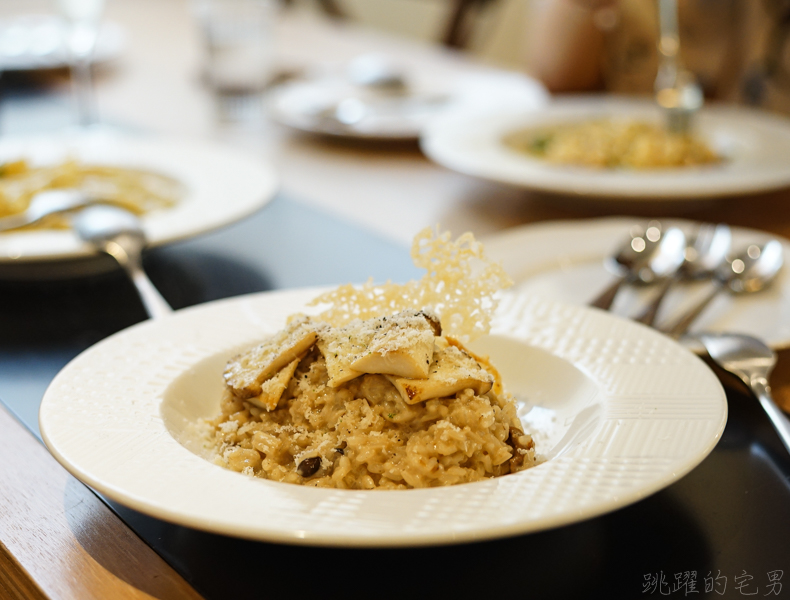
755,146
565,260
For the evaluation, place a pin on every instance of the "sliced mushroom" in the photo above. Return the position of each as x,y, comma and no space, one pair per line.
245,373
272,389
433,321
452,370
401,345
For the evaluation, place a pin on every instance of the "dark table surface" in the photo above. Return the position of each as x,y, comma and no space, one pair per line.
723,530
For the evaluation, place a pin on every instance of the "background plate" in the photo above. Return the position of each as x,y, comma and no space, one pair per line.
565,262
38,41
222,186
754,143
299,104
621,412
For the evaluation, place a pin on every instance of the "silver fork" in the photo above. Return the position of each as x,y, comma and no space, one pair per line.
677,90
752,361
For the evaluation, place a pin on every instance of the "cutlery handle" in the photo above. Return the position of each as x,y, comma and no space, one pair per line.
155,305
669,43
681,325
779,419
605,299
131,260
648,317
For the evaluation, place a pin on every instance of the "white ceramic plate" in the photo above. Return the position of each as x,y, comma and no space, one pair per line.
310,105
618,410
565,261
305,104
221,186
30,42
755,144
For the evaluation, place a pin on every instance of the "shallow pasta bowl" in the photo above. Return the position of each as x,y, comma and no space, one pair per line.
617,410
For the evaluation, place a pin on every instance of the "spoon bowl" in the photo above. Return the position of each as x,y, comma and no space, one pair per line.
667,258
752,361
750,271
753,269
706,251
649,254
118,232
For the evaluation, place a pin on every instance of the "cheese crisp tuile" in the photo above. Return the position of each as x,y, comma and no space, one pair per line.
245,373
460,286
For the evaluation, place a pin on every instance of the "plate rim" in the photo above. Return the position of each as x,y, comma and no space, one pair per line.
56,442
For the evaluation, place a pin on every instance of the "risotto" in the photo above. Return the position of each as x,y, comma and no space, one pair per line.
385,402
613,144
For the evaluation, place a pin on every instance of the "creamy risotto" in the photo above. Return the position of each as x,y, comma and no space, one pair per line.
613,144
392,401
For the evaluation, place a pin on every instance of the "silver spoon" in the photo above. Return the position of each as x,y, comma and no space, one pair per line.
118,233
703,255
649,254
750,271
752,361
48,202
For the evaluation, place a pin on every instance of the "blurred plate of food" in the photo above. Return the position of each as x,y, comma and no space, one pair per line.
566,261
30,42
179,187
616,148
382,102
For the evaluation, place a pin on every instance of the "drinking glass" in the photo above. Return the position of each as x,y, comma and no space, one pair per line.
238,49
82,19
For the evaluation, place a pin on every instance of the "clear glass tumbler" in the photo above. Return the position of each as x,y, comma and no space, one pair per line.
239,47
82,19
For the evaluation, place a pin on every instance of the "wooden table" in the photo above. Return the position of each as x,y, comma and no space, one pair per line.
58,540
